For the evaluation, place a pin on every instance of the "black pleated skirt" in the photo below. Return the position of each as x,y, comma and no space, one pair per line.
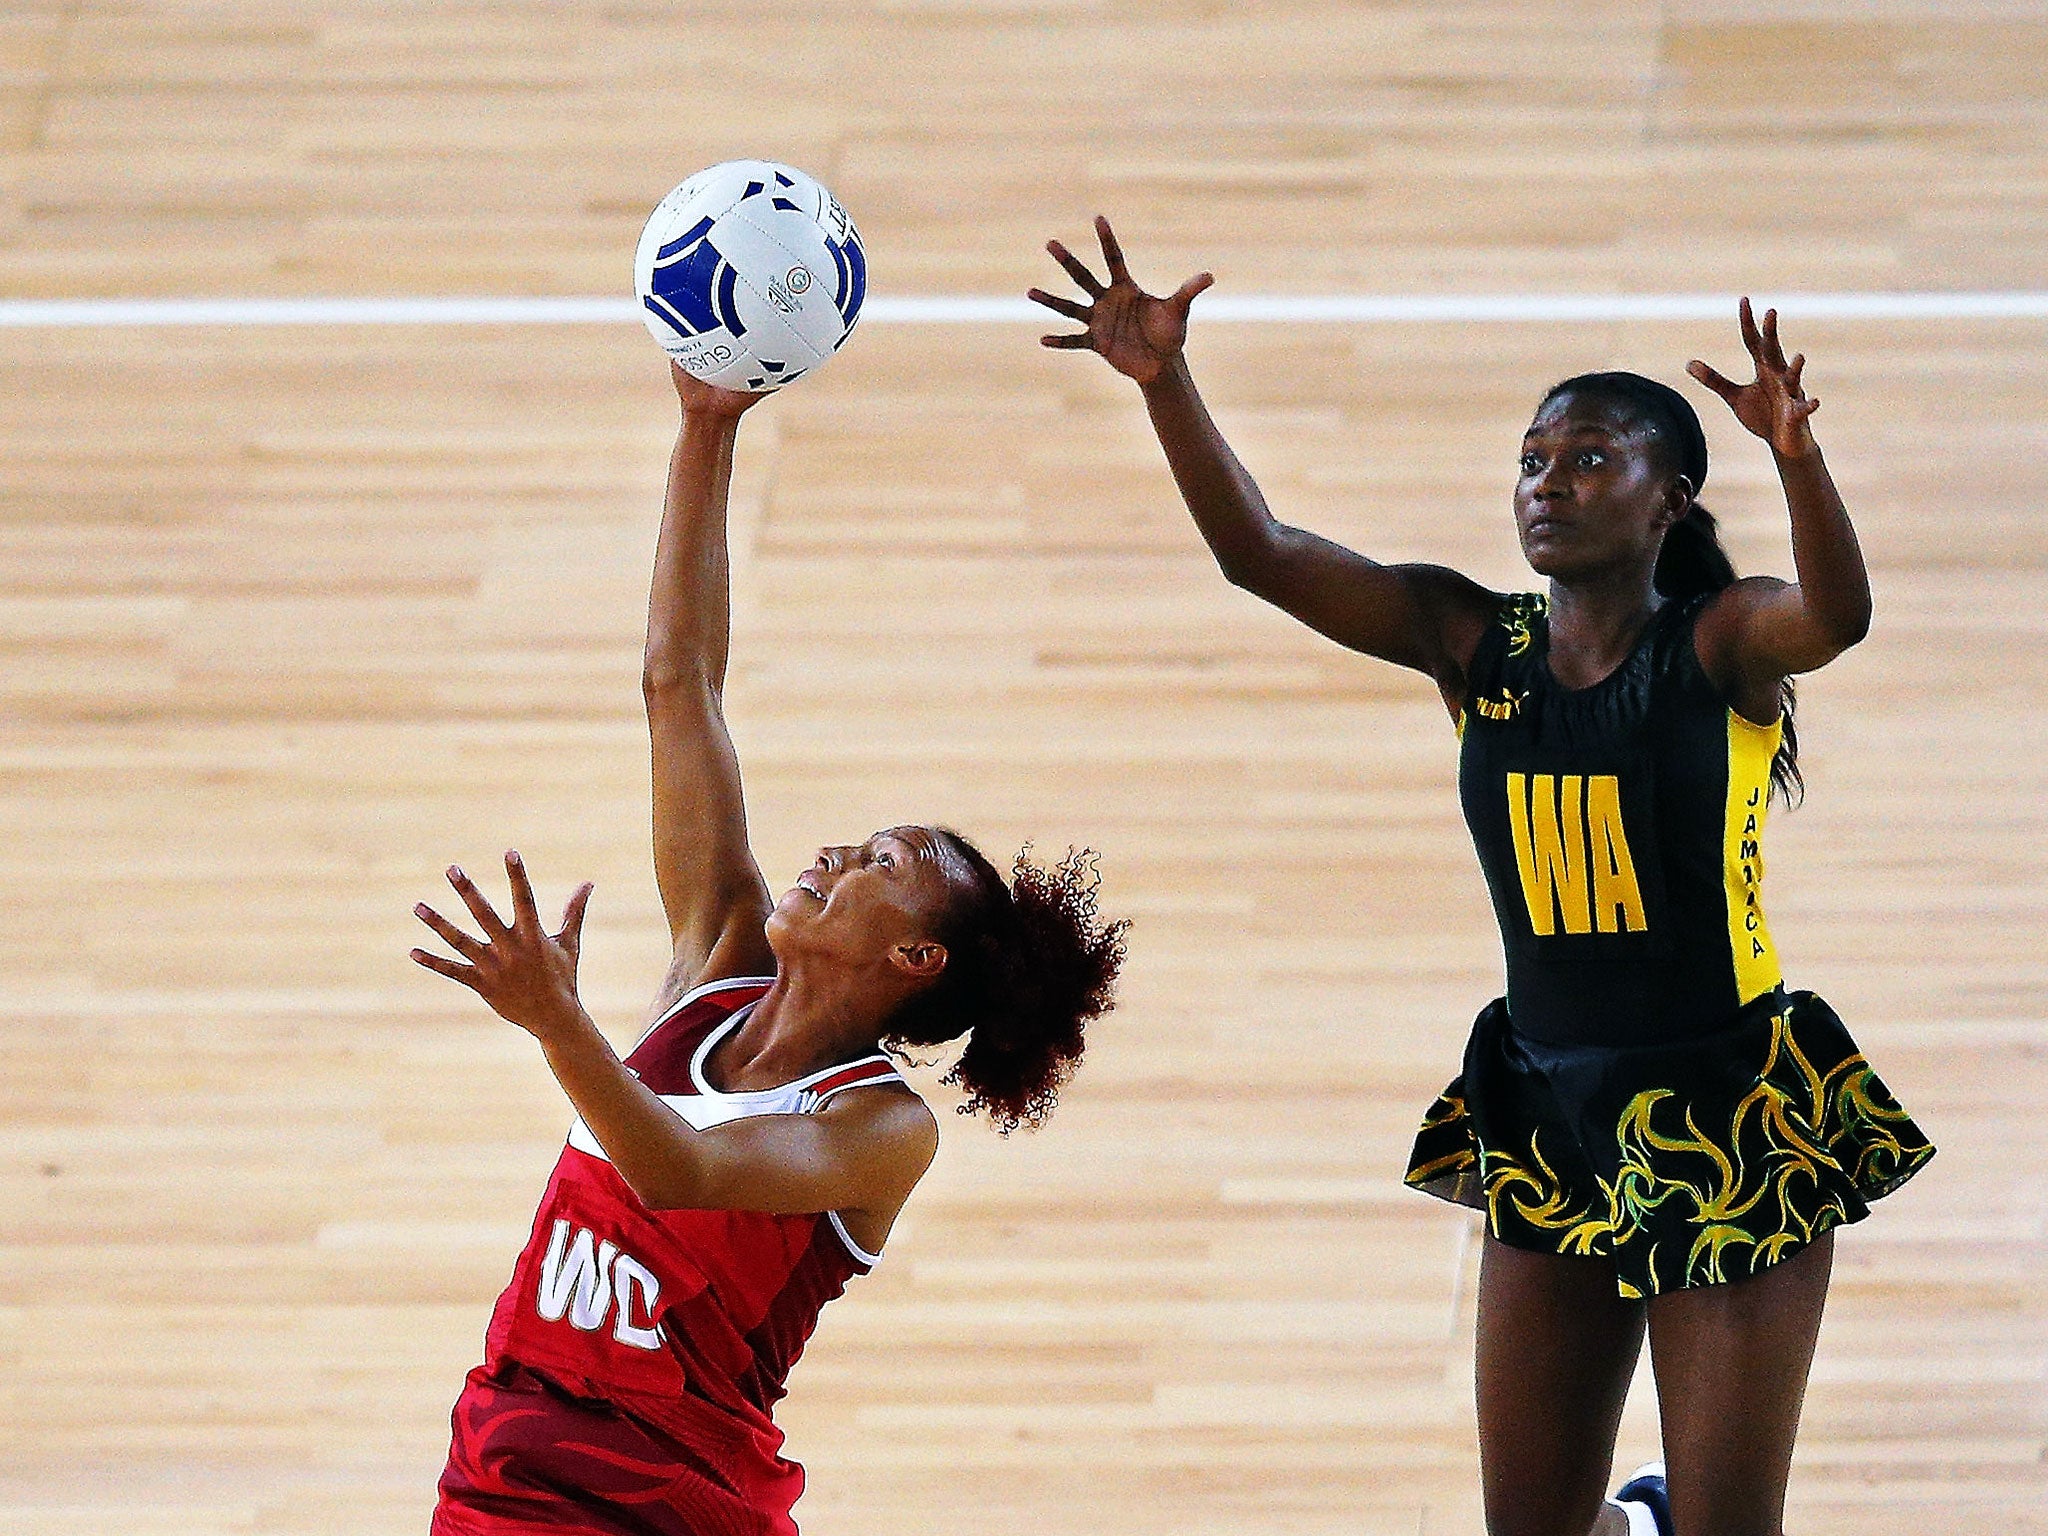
1690,1164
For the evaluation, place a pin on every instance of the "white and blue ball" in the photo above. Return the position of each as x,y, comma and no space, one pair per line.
750,274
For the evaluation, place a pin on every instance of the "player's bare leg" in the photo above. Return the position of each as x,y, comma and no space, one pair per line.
1731,1363
1556,1349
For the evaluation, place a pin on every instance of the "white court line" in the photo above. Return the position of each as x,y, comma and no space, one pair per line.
1283,309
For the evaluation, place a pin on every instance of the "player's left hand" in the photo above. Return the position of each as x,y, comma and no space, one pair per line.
1773,406
1138,334
526,974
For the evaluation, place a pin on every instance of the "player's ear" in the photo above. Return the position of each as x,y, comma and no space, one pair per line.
921,959
1678,498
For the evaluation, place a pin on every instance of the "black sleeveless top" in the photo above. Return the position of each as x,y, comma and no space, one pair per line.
1619,827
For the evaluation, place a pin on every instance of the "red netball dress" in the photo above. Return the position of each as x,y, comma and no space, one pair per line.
632,1364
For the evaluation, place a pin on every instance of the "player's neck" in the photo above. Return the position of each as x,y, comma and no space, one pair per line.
802,1024
1595,622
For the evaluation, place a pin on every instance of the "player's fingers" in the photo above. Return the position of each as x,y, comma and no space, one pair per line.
1751,338
571,935
1075,269
1714,380
1793,370
1112,253
1184,295
454,970
1058,305
1773,352
448,933
1067,343
1806,407
479,908
525,913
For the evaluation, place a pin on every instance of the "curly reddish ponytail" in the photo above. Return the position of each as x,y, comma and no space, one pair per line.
1029,962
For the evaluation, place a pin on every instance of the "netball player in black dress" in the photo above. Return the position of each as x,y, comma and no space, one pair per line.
1662,1137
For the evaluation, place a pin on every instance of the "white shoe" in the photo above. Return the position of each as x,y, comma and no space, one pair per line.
1646,1501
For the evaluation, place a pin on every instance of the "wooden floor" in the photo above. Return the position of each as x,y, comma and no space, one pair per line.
292,617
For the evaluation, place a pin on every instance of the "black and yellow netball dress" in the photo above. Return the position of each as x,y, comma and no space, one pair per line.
1647,1092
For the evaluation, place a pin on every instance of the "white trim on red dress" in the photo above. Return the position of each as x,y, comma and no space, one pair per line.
786,1098
869,1259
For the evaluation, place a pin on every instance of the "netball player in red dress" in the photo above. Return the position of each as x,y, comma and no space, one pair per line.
730,1175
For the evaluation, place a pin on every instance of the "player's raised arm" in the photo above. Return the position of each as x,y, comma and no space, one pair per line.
1764,629
1420,616
711,888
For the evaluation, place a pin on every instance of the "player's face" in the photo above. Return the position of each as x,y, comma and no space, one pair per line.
1590,496
858,904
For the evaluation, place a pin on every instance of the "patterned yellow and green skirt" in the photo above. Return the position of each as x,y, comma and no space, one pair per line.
1683,1165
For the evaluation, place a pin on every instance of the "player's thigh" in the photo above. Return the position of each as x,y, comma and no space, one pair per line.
1731,1363
1556,1348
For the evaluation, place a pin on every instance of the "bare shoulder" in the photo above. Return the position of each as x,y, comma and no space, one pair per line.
1745,591
1718,632
1452,595
895,1124
1726,642
1456,610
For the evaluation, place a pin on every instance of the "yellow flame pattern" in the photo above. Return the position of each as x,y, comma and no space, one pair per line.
1517,614
1801,1152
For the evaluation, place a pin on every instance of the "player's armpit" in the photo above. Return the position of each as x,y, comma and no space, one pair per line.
740,949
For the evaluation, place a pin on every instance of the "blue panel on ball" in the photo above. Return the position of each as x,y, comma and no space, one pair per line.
782,180
728,309
686,286
852,263
787,206
857,259
838,255
689,237
668,317
754,189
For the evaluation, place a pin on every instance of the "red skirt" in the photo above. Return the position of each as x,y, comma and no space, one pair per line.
528,1456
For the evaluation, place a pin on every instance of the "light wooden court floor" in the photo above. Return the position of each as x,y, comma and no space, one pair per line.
294,617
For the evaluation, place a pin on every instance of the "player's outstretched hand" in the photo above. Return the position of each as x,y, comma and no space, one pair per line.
1137,333
701,399
1773,406
526,974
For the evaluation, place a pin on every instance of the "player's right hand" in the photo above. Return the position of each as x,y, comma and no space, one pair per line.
1137,333
701,399
525,973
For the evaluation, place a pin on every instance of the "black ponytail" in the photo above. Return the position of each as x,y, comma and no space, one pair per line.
1691,562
